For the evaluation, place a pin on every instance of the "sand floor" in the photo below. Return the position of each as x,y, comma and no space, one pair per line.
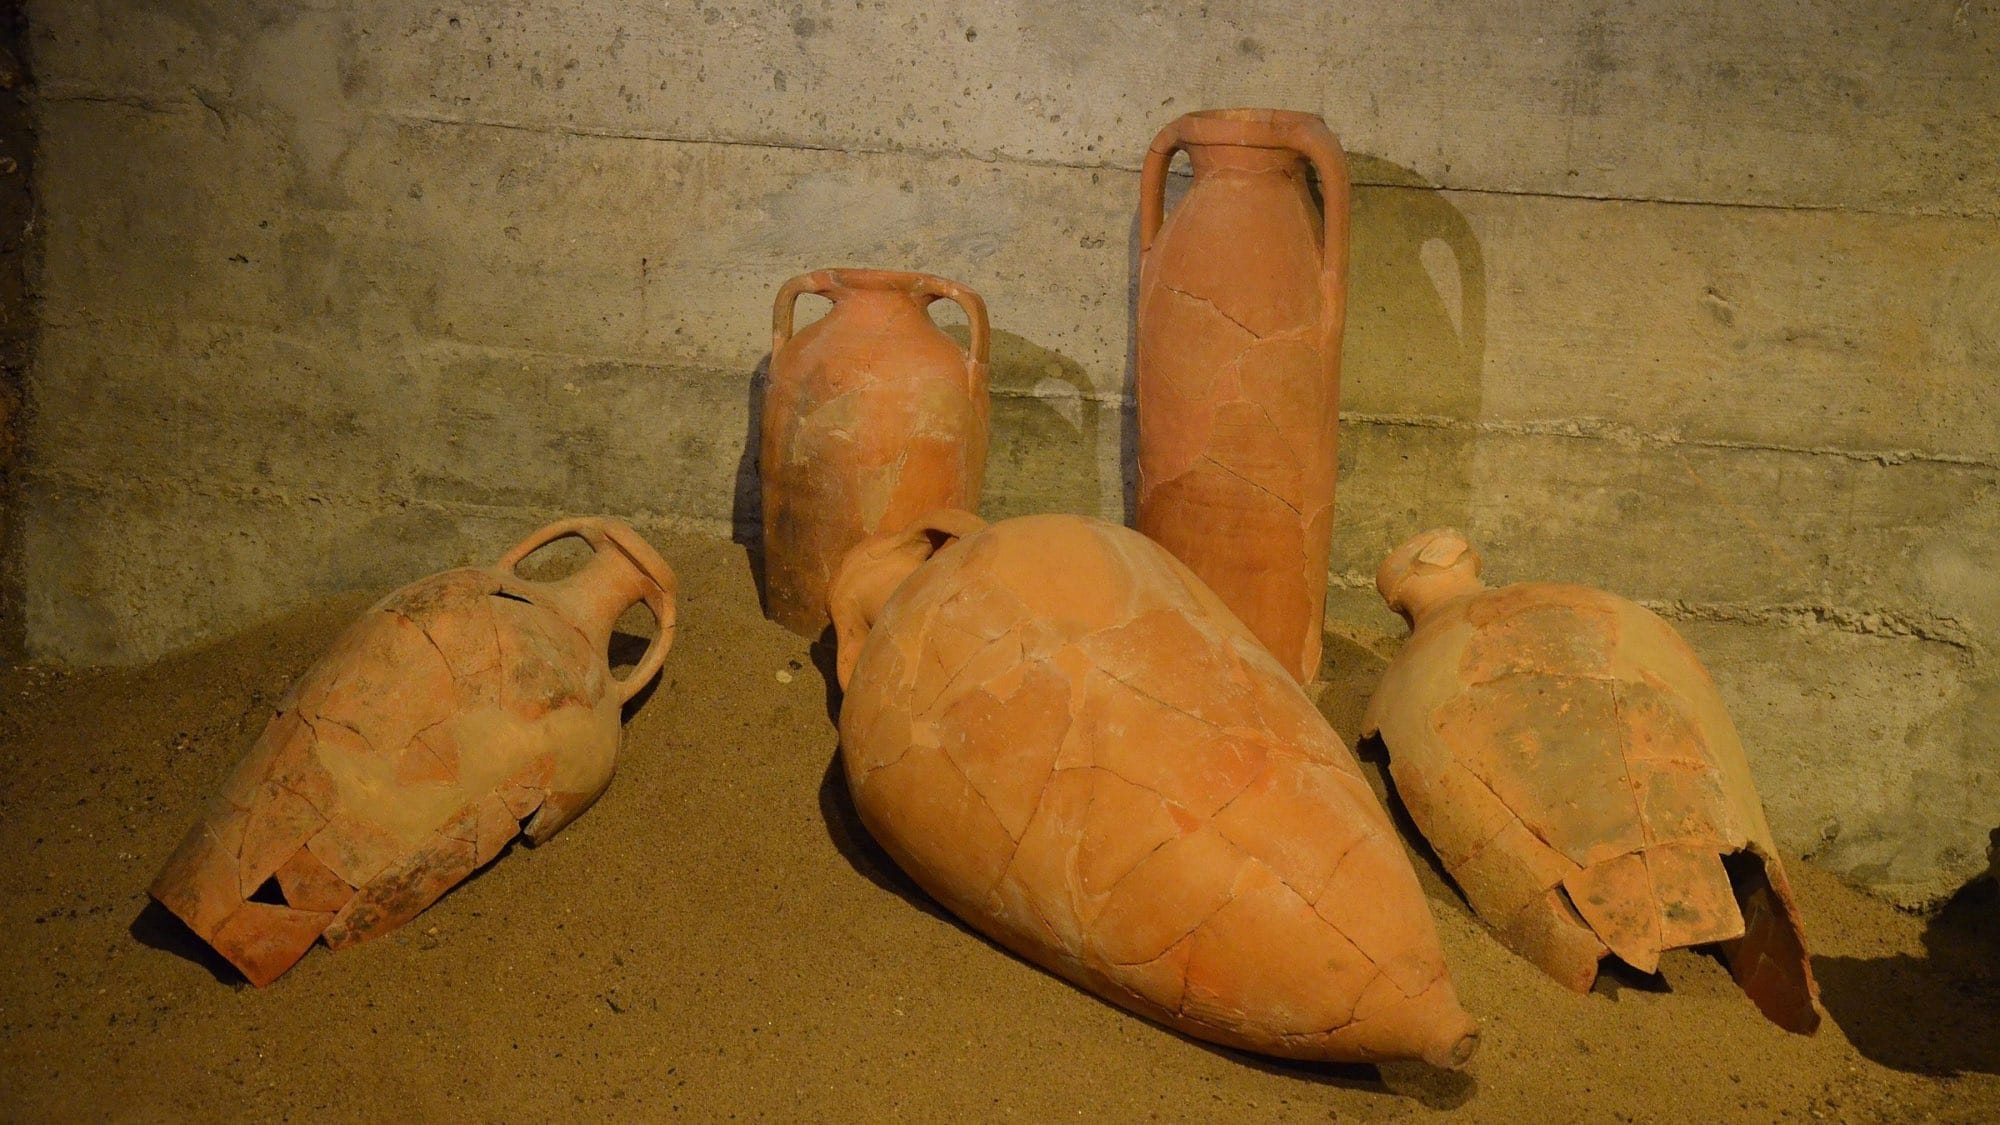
719,939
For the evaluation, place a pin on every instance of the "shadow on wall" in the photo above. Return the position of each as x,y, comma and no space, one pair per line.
1411,364
1046,431
746,509
1938,1014
1128,388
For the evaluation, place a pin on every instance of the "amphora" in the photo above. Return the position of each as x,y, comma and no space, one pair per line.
872,417
1069,741
1242,300
1571,762
459,712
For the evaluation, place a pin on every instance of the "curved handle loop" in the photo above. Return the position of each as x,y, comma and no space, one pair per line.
1314,141
659,599
1153,182
980,346
824,283
661,585
818,282
872,571
587,528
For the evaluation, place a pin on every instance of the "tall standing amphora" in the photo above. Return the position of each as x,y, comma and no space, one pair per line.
1242,299
873,416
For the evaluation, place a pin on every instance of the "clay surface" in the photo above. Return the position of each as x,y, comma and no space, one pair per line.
1242,300
873,416
1569,759
1061,734
461,711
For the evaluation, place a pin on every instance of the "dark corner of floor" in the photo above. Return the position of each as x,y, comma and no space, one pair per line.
17,319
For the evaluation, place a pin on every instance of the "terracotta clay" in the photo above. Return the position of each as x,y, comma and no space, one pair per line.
1242,300
1065,738
460,711
1571,762
873,416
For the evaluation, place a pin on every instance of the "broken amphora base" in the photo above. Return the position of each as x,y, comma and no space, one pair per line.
1571,763
1069,741
872,417
460,711
1242,301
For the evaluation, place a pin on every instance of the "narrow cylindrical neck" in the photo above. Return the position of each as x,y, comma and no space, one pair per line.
883,302
1208,158
598,594
1424,594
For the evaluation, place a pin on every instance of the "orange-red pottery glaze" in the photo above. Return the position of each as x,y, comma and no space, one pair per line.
1242,299
460,711
1065,738
1571,762
872,417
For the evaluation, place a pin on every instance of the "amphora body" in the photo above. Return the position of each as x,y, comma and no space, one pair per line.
1571,762
1064,737
460,711
872,417
1242,300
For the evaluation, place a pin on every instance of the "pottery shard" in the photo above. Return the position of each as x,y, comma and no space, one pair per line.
1062,741
1577,774
412,752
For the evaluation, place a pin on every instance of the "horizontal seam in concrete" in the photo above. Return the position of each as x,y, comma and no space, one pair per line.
1134,168
204,103
1597,429
1583,428
283,497
1863,622
1846,619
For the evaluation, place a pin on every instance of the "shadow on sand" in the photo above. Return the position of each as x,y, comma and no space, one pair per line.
1938,1014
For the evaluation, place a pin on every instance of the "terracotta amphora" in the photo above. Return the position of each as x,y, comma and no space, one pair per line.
1242,300
872,417
1064,737
1571,762
459,712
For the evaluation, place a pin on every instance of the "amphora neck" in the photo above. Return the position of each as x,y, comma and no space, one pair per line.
1210,159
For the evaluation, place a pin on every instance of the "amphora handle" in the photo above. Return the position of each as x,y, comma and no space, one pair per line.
616,539
872,571
922,287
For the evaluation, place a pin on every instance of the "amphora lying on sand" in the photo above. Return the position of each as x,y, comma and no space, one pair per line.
1570,761
1068,740
459,712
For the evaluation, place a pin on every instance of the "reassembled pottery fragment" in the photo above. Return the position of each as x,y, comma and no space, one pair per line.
461,711
1064,737
1242,302
1571,763
872,417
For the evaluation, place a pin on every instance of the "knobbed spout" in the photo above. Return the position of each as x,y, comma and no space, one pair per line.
1427,571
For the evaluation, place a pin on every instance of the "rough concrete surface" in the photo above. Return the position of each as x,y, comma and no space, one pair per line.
1704,309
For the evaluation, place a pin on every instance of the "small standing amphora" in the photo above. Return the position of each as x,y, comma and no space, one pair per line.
873,416
1242,299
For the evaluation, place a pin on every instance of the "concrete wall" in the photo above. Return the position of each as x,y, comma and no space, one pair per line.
1700,304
